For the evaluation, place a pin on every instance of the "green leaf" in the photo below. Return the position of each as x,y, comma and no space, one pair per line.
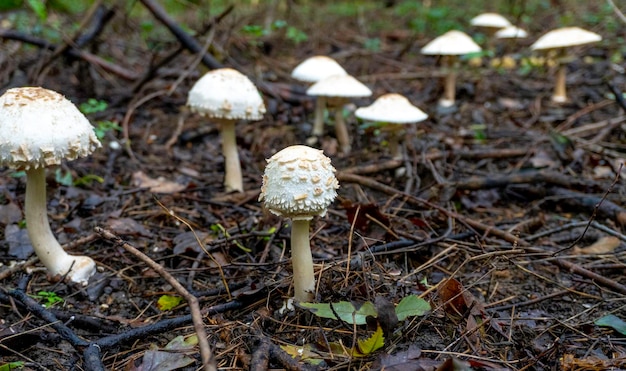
11,366
411,305
168,302
371,344
613,322
344,309
63,178
39,8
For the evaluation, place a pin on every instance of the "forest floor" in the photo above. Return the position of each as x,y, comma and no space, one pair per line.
507,217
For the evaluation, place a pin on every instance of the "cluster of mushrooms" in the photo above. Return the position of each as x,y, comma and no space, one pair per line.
453,44
299,182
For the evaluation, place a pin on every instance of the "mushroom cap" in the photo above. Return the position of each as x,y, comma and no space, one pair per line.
490,20
228,94
391,108
511,32
299,183
344,86
565,37
451,43
40,127
317,68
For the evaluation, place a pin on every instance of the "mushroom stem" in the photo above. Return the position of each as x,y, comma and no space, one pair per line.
560,94
302,260
393,139
449,93
341,130
233,180
318,124
47,248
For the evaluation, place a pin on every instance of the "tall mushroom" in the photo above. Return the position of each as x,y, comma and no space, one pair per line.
559,41
450,45
338,90
226,95
299,183
312,70
393,110
41,128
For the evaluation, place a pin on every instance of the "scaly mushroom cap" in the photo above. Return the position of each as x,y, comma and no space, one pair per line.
228,94
317,68
343,86
490,20
40,127
451,43
511,32
391,108
565,37
299,183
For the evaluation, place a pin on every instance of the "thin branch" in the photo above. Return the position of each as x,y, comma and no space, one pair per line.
208,360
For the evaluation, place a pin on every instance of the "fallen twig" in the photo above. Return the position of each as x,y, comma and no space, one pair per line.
72,52
432,156
208,360
487,229
530,177
188,41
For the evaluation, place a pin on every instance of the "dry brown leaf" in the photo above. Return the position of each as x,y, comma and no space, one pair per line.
158,185
604,245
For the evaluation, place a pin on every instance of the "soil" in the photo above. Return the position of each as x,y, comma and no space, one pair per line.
506,215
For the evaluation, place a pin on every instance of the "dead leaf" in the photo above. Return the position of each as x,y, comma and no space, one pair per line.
458,300
127,226
18,241
158,185
604,245
570,362
10,213
362,214
170,358
187,242
451,294
408,360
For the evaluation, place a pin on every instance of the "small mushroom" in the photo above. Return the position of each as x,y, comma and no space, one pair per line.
450,45
395,111
338,90
226,95
312,70
299,183
511,32
490,23
559,41
40,128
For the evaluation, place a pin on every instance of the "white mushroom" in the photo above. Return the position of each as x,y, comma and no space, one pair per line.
511,32
40,128
490,22
559,40
226,95
312,70
299,183
450,45
338,89
396,111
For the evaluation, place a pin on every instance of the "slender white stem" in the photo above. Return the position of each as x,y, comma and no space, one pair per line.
341,131
318,123
233,180
49,251
560,94
302,260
